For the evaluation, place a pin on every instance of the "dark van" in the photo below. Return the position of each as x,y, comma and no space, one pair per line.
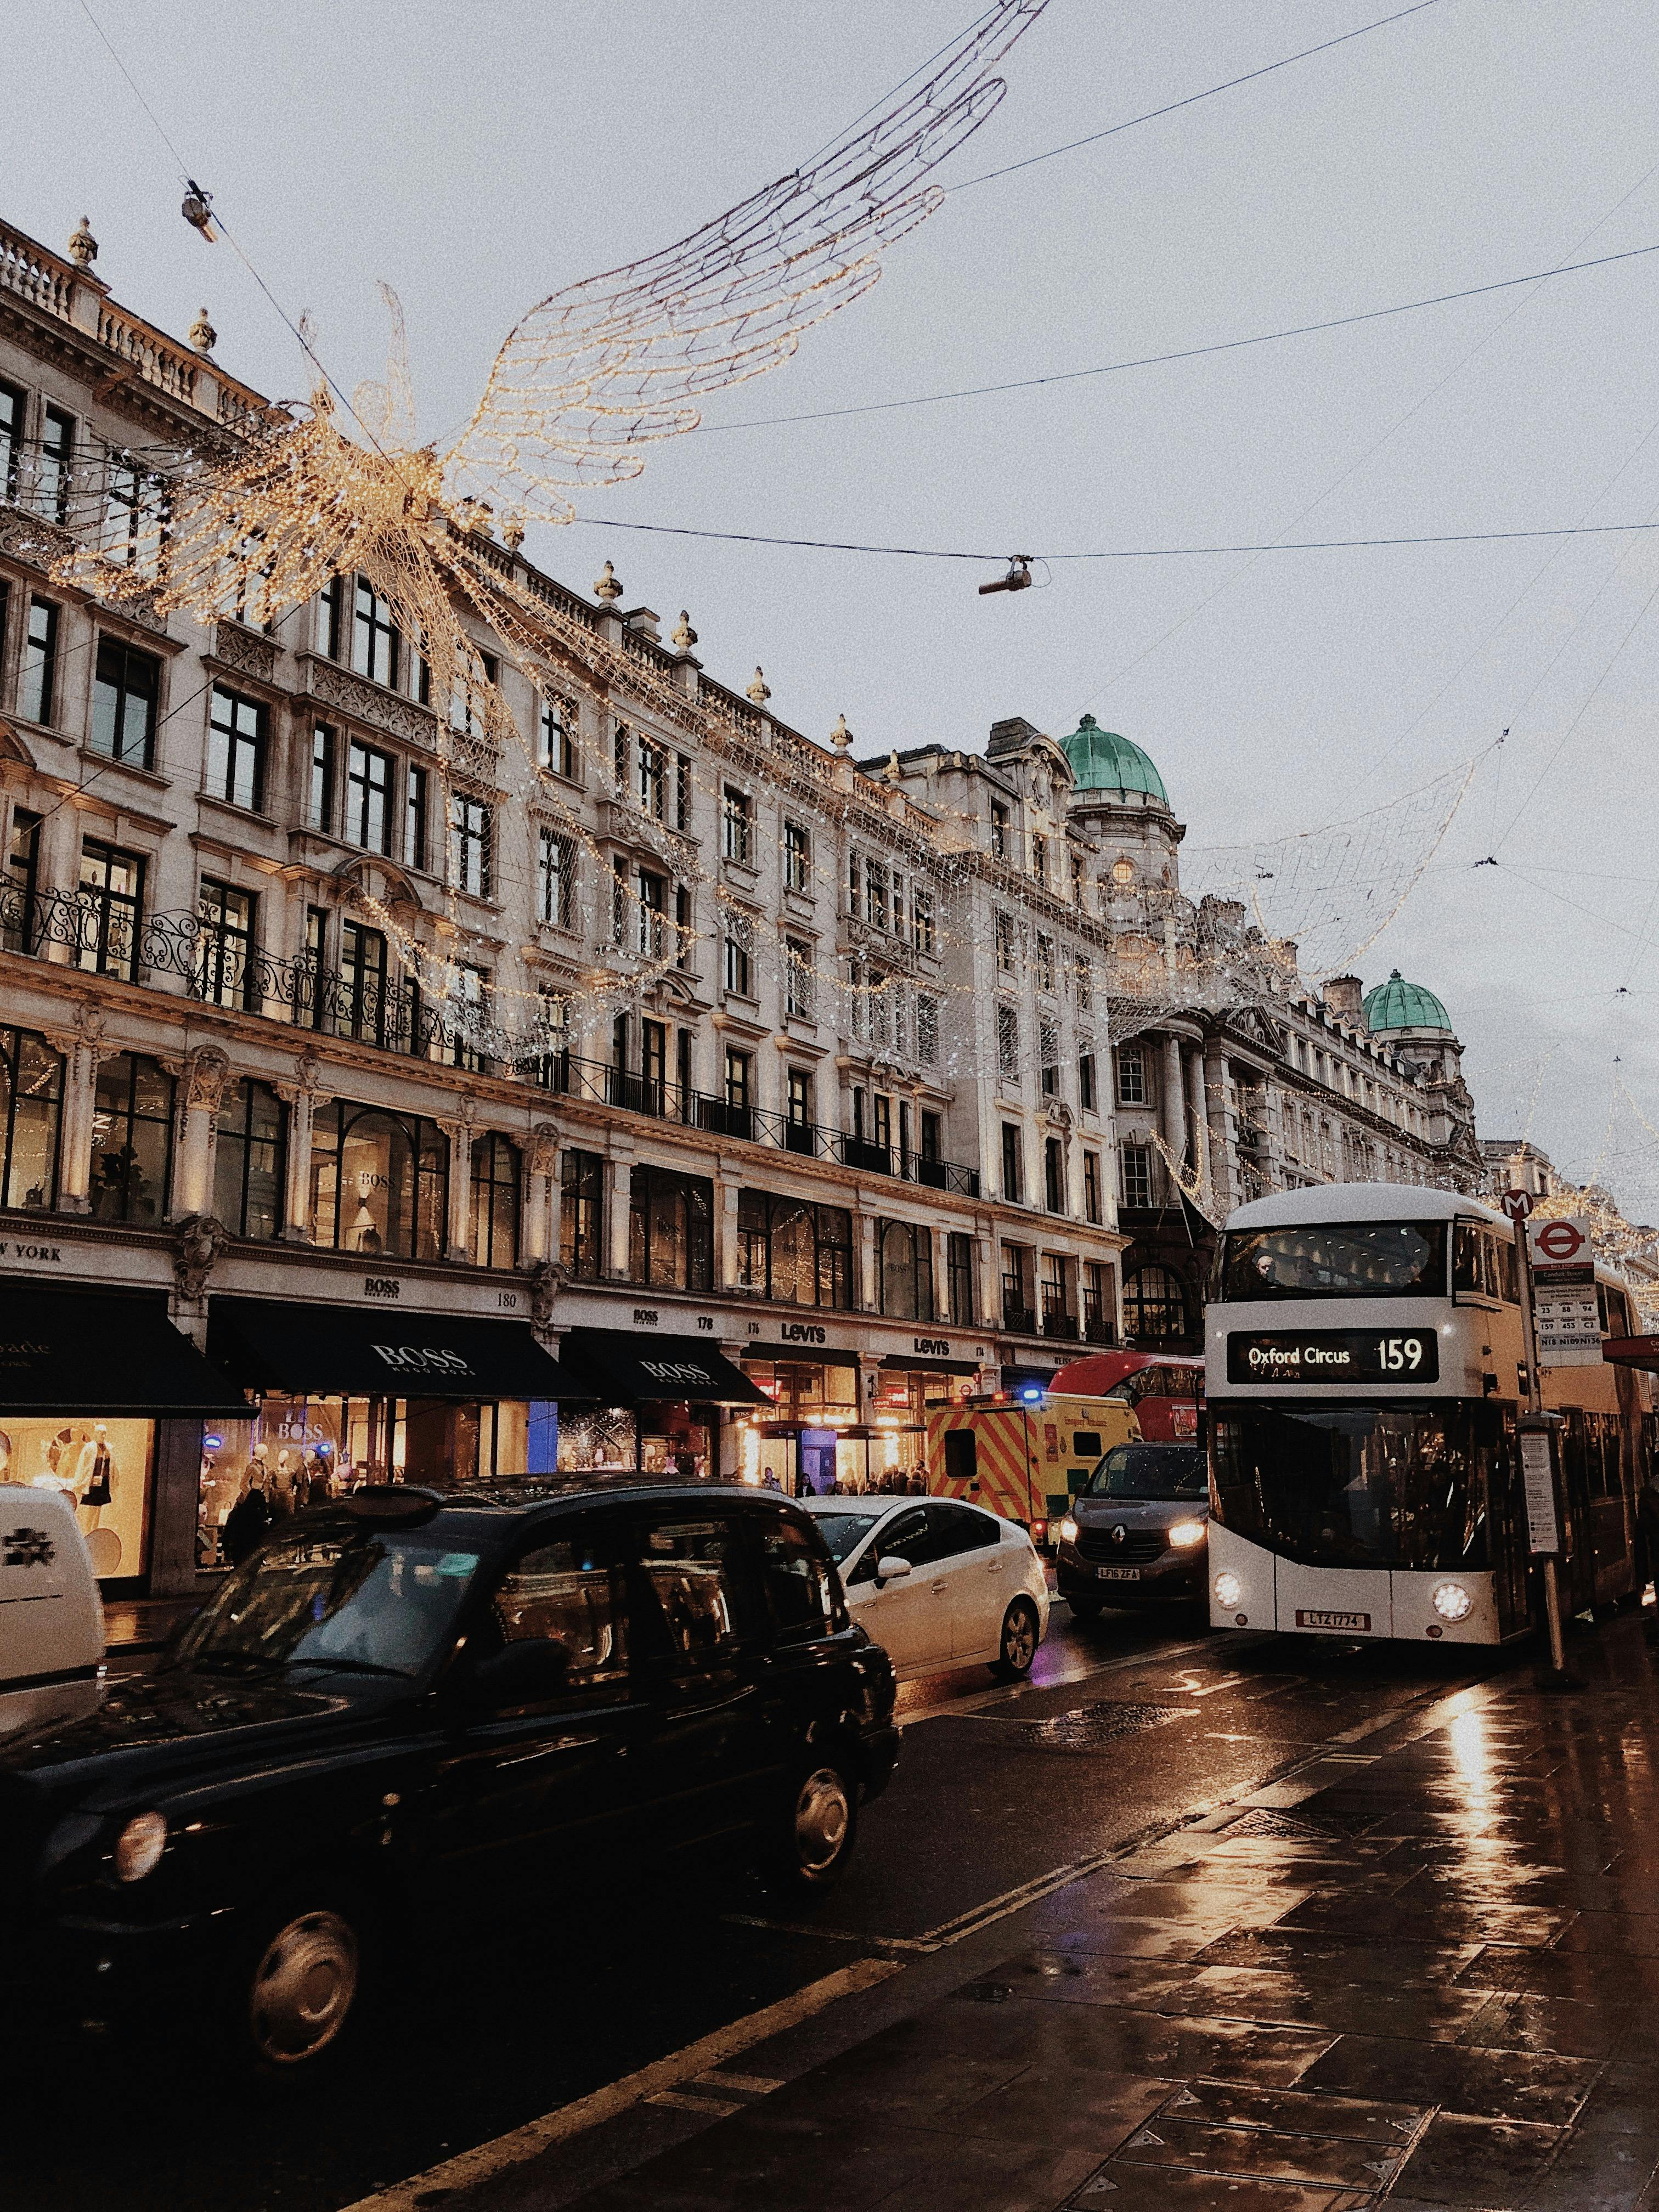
405,1699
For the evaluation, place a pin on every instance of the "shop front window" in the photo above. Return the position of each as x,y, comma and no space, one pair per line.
101,1468
907,1271
789,1248
1154,1305
250,1155
670,1242
31,1104
581,1191
805,1394
495,1185
131,1139
379,1182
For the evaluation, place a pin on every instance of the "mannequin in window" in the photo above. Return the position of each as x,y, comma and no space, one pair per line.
95,1470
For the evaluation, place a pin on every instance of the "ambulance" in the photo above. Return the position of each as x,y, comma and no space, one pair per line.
1024,1454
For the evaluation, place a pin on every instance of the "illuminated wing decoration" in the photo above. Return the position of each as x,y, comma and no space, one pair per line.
605,367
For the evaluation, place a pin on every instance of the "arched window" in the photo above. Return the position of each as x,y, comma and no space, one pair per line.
30,1101
249,1159
906,1260
131,1139
495,1185
1154,1305
377,1182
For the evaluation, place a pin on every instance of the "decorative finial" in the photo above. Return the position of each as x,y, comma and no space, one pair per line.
513,534
202,336
760,691
892,770
841,737
685,636
607,588
82,245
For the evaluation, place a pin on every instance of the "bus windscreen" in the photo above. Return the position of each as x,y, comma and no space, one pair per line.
1356,1485
1336,1260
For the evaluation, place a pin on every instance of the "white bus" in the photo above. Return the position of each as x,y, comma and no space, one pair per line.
1364,1367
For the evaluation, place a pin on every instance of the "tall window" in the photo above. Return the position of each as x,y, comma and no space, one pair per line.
124,694
131,1139
250,1160
11,437
21,880
461,1047
1082,976
581,1189
368,798
1154,1305
737,824
797,978
556,737
800,1102
236,749
377,1182
1008,1044
998,831
651,766
792,1251
555,876
739,1089
1099,1301
1048,1052
56,463
1040,858
1054,1176
1045,961
926,1030
1131,1076
1013,1164
905,1259
797,857
31,1105
1005,938
875,894
415,781
37,676
496,1177
364,1005
134,510
110,898
959,1276
319,787
739,977
1136,1176
1054,1308
651,905
670,1242
1092,1186
375,640
1086,1081
855,886
469,845
922,921
224,945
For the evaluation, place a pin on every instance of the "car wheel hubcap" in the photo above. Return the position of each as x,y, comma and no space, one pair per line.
303,1988
1019,1640
822,1817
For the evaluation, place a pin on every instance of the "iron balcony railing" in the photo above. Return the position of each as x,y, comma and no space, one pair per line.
219,967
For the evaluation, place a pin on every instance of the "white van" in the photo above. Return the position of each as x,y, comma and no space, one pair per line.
51,1624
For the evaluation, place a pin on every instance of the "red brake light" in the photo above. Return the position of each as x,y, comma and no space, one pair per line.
1039,1532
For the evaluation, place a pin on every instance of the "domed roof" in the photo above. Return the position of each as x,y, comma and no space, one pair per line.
1397,1005
1102,761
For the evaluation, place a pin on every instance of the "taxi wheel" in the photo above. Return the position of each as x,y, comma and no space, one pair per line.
1018,1647
814,1838
297,1990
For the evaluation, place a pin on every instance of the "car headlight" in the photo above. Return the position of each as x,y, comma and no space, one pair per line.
1183,1535
1228,1589
139,1846
1068,1530
1452,1601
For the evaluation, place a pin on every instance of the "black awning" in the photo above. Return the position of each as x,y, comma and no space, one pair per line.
801,1355
315,1351
109,1353
623,1368
906,1362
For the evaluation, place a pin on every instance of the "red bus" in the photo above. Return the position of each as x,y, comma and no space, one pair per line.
1166,1391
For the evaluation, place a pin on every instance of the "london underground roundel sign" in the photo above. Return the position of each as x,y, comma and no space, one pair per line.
1558,1241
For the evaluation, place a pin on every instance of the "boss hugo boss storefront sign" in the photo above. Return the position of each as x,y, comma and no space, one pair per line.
657,1403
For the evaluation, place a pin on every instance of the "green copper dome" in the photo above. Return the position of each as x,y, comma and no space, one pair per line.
1397,1005
1102,761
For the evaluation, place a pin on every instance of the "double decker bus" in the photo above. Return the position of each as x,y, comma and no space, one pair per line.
1365,1367
1165,1389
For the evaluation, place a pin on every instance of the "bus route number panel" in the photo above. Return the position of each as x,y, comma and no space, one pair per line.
1334,1357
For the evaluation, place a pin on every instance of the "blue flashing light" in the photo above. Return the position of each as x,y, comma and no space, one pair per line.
1032,1393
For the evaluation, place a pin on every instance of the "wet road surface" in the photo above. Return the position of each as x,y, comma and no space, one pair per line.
1183,1899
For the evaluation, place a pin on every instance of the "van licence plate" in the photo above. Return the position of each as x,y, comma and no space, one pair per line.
1314,1617
1118,1574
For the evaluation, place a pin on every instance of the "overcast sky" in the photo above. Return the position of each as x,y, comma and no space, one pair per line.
476,156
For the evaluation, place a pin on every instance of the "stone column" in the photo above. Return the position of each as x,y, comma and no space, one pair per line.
726,1232
1222,1179
206,1073
864,1228
540,1239
302,1097
83,1048
989,1283
1175,1101
618,1173
940,1241
1199,1115
457,1225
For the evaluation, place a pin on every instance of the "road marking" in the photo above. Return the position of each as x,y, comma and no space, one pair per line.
758,2085
469,2168
711,2108
948,1708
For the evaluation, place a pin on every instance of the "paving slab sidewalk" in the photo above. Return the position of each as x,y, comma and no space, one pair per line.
1420,1973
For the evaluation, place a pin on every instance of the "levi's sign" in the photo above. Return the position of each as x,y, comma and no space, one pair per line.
1331,1356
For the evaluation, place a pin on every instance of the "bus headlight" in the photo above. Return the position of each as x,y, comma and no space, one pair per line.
1183,1535
1067,1531
1228,1589
1452,1601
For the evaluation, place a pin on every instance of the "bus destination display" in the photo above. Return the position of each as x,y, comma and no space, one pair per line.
1334,1357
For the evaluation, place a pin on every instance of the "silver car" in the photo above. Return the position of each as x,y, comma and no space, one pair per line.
1139,1534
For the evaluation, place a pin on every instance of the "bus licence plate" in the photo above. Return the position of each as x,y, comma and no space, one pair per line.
1118,1574
1316,1617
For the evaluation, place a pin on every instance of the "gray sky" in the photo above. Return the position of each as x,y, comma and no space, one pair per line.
477,156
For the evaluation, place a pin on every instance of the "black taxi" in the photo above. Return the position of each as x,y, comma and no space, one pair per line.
406,1701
